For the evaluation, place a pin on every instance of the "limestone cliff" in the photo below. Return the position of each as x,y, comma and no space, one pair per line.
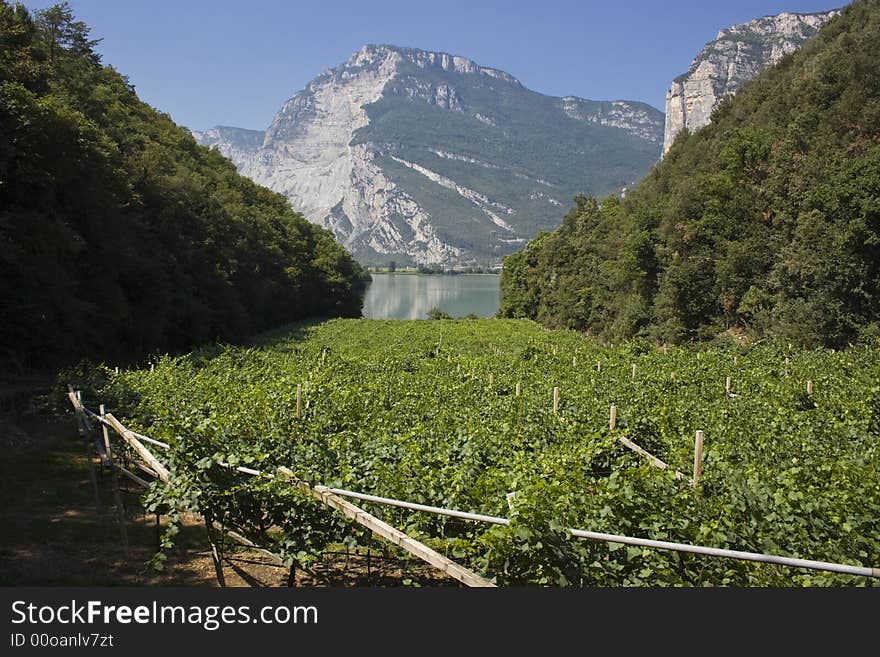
237,144
432,158
735,56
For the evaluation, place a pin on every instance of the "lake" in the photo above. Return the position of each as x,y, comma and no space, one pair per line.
411,296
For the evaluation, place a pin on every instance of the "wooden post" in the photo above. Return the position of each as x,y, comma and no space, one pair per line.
554,350
612,418
77,407
809,387
727,386
599,366
106,436
634,372
518,390
117,369
787,362
160,470
653,460
555,400
117,497
491,379
574,361
88,446
298,401
734,360
215,552
383,529
152,367
698,457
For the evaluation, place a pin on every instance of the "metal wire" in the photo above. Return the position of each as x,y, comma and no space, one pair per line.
846,569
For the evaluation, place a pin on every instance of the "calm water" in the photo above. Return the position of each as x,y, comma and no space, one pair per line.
411,296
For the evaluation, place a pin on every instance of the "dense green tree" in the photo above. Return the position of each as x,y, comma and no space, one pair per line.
61,35
437,313
119,235
767,220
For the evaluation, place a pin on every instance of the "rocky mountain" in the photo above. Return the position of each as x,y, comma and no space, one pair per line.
237,144
427,157
763,224
735,56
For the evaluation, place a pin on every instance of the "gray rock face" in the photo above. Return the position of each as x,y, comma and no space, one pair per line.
636,118
236,144
735,56
428,157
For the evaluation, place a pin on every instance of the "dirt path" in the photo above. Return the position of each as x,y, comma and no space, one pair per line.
53,535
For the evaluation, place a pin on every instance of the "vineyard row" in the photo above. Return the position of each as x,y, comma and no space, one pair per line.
333,498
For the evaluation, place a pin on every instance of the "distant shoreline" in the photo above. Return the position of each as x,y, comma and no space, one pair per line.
413,272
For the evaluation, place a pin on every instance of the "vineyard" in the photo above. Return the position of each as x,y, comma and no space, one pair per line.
505,419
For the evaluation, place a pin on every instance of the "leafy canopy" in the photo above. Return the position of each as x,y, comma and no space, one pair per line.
119,235
766,221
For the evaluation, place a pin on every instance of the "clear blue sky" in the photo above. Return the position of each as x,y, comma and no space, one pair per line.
234,63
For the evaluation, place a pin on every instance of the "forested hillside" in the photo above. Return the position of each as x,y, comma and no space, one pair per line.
766,221
119,235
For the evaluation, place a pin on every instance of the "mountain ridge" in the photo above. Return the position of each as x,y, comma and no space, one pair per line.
763,224
430,157
736,55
